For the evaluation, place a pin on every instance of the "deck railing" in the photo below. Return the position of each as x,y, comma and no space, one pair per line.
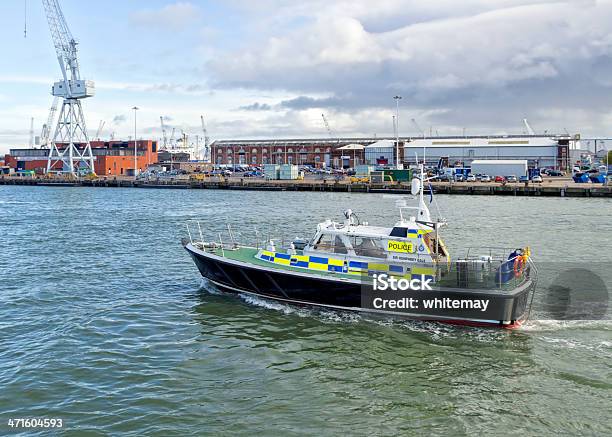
474,267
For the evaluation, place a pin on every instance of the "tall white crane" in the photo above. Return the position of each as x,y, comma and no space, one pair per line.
206,140
70,132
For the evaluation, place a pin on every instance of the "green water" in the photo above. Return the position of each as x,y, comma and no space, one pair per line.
103,323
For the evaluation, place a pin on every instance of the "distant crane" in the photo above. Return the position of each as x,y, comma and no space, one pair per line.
329,131
196,149
70,130
183,140
164,136
31,132
45,133
100,127
421,131
171,143
206,140
528,128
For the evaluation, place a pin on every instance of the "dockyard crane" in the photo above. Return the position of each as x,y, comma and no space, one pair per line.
329,131
45,133
206,139
31,132
100,127
70,130
164,136
171,144
530,131
416,125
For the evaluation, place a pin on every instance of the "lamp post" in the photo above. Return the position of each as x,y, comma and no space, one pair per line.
397,162
135,108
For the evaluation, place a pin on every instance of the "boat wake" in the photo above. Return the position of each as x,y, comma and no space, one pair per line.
434,330
326,315
559,325
209,287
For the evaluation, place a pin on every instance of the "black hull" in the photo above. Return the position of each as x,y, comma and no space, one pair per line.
511,309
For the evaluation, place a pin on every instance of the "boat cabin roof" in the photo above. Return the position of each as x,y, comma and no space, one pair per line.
400,230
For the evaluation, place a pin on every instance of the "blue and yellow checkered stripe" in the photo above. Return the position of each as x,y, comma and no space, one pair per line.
416,272
417,233
329,264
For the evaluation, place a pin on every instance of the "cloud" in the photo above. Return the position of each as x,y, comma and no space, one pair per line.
172,17
164,87
119,119
470,63
256,107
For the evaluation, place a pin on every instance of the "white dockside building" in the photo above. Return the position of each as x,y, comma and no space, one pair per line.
539,151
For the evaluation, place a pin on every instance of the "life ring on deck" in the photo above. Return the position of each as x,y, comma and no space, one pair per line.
519,266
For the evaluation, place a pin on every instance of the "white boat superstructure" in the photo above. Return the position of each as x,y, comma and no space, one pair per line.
411,248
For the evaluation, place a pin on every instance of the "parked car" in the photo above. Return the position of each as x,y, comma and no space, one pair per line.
459,178
499,179
554,173
511,178
471,178
524,179
485,178
443,177
537,179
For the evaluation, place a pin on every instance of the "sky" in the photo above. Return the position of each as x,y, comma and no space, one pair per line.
270,68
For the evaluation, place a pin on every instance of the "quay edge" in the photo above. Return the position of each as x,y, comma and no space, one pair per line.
478,188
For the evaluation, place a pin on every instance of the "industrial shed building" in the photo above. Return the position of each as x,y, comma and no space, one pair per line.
539,151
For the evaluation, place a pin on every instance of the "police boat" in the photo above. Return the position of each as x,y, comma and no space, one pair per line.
404,271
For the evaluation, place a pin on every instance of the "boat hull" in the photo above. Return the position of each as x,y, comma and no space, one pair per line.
509,309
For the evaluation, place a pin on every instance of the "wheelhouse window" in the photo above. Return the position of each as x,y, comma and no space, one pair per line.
369,247
399,232
324,243
331,244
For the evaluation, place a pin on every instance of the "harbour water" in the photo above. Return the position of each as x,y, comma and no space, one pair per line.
105,323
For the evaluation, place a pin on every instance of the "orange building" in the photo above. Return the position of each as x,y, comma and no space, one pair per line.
111,158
